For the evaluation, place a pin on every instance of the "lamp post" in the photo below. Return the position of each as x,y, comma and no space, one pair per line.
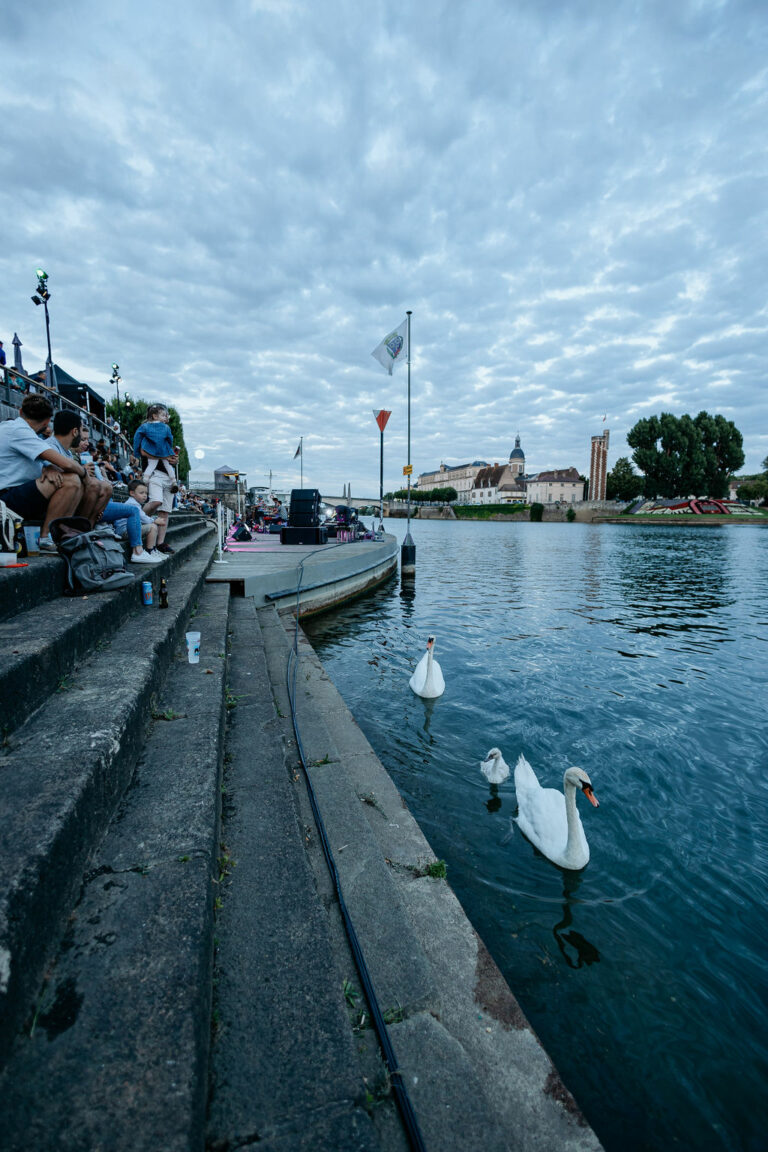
42,296
114,380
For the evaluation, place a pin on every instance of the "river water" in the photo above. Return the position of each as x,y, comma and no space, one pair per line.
638,653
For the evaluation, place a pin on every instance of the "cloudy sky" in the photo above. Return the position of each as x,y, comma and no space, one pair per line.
237,200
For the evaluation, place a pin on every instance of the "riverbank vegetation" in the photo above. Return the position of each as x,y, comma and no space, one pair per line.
489,511
425,495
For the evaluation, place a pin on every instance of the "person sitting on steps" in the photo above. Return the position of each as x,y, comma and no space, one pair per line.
37,481
135,504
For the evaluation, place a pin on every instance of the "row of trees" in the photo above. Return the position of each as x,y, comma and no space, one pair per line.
425,496
133,413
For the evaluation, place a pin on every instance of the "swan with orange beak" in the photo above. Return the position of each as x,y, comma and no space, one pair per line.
427,680
549,819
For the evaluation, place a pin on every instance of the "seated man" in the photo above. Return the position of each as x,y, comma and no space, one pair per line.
29,483
69,438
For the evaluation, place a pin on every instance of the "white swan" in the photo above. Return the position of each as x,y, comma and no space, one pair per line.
427,679
549,819
494,767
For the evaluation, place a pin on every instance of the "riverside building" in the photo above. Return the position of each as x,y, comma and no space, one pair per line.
461,477
559,486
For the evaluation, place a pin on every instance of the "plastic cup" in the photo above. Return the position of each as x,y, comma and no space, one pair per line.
193,647
32,538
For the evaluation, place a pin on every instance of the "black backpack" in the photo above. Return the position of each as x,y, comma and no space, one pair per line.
94,556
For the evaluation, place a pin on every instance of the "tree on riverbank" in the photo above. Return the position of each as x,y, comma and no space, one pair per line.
684,455
622,482
133,412
753,488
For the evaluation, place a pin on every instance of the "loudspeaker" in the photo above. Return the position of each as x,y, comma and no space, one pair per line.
292,535
304,510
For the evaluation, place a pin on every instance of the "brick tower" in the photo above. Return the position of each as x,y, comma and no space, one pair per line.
598,466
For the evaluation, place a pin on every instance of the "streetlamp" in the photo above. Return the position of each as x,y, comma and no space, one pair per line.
114,380
42,296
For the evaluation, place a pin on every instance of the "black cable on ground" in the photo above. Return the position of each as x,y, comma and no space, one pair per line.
398,1085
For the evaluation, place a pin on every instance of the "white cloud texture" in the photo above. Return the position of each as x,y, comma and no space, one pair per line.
237,201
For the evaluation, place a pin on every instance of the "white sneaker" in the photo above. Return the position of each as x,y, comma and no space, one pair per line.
143,558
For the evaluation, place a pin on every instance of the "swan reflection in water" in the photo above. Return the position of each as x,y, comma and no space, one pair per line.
577,951
429,708
494,802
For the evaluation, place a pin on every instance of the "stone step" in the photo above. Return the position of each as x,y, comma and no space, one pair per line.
44,643
284,1069
64,771
44,579
401,976
121,1030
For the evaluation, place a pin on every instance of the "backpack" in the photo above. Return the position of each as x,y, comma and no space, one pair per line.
94,556
9,521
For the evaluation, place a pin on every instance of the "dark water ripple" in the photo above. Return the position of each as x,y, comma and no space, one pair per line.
639,654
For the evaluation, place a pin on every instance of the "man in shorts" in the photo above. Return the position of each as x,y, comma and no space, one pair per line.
29,485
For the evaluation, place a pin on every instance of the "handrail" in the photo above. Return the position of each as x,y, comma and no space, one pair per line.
9,386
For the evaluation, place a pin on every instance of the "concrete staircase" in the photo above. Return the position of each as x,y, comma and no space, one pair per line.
81,684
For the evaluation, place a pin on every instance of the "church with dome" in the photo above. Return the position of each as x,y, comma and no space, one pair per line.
517,459
501,483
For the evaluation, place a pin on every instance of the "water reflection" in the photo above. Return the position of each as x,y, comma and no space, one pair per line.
575,948
429,708
493,804
673,581
407,596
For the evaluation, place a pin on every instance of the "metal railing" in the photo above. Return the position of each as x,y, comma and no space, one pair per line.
15,385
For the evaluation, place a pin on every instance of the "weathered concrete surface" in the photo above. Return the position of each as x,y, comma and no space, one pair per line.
64,771
121,1035
284,1071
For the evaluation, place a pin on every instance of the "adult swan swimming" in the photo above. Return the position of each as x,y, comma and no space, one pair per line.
427,679
549,819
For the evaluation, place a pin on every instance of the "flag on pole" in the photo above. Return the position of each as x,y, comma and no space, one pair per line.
393,348
298,451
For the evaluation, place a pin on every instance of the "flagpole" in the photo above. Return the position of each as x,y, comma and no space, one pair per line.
408,548
381,482
301,454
